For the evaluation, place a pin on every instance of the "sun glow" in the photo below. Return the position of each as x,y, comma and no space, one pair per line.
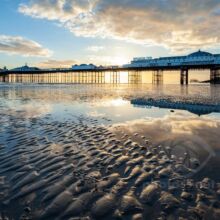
120,61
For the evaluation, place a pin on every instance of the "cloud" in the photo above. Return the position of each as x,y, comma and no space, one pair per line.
18,45
95,48
56,63
62,10
179,25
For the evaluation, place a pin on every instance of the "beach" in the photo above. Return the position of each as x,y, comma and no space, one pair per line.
85,152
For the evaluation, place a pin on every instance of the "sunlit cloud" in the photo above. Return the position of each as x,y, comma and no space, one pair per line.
62,10
56,63
16,45
108,60
178,25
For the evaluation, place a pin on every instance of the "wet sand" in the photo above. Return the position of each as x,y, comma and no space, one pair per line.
84,169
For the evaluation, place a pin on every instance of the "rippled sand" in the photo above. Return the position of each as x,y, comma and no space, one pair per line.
80,168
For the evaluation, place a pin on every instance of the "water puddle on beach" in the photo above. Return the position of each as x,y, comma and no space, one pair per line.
99,152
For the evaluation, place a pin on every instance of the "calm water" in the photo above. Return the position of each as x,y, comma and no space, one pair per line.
99,101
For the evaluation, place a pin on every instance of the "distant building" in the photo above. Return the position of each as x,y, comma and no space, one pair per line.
4,69
25,68
196,58
84,67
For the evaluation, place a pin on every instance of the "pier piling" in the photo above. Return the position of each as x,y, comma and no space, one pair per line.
157,77
134,77
214,76
184,77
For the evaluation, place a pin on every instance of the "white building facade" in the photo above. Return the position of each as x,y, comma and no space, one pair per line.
197,58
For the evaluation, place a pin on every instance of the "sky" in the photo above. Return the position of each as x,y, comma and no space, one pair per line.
61,33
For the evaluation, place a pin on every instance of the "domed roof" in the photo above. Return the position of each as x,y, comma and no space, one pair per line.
200,53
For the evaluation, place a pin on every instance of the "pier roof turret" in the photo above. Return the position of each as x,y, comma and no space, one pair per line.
199,54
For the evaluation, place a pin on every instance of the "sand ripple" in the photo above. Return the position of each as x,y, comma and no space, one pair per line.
81,170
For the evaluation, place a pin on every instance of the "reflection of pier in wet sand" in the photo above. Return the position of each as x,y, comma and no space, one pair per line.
196,108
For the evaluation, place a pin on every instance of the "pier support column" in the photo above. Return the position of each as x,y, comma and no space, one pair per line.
157,77
103,77
114,77
184,77
100,77
134,77
91,78
6,78
214,76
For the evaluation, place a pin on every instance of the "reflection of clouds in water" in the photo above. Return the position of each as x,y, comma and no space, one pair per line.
31,110
193,136
187,126
108,102
199,135
181,123
96,114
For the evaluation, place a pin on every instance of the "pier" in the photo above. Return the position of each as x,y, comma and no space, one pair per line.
91,74
97,76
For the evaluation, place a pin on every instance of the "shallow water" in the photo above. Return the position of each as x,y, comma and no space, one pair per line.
50,132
